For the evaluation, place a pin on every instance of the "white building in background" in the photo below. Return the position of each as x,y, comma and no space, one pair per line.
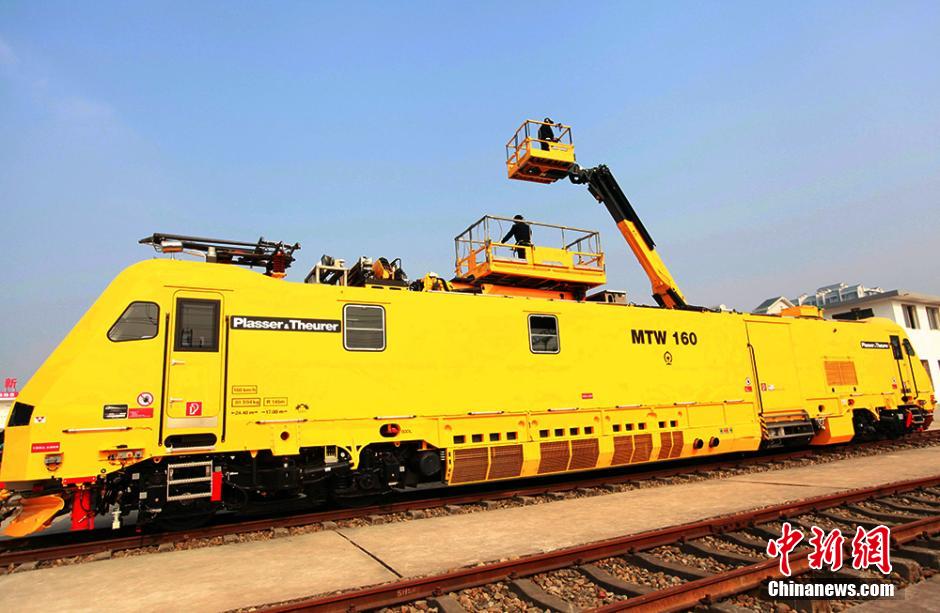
918,313
835,294
7,398
773,306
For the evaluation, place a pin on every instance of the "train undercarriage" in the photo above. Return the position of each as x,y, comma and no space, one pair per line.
184,492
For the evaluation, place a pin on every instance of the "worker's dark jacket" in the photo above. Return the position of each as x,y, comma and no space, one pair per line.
521,232
546,133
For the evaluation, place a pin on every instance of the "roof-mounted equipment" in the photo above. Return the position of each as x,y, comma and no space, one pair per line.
275,258
364,272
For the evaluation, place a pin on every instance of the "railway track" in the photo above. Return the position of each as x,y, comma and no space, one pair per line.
97,543
731,551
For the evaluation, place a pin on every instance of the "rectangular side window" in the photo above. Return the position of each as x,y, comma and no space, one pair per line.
139,321
197,325
910,316
933,318
543,334
363,327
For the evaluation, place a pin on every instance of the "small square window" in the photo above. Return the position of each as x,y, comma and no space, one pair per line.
543,334
494,436
363,327
197,325
477,438
543,433
662,424
460,439
559,431
589,430
616,427
642,425
511,436
574,431
629,427
673,424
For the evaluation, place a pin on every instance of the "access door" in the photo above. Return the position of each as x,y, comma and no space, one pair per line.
194,395
775,378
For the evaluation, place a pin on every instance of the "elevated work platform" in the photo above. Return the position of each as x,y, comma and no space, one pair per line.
547,257
540,151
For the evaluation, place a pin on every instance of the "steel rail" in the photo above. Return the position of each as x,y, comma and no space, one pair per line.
32,549
710,589
398,592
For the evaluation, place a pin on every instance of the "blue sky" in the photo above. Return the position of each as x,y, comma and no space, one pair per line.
770,147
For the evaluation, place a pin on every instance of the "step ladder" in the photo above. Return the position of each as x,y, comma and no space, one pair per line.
188,481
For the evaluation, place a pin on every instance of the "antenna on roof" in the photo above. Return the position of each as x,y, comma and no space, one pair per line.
275,258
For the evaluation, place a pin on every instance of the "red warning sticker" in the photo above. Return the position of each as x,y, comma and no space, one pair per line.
193,409
140,413
44,447
587,396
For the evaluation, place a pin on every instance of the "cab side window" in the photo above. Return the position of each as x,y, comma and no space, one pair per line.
197,325
363,327
543,334
139,321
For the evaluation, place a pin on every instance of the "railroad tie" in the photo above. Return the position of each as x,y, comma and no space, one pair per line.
728,557
656,564
761,532
806,526
928,502
850,521
745,540
613,583
900,518
905,567
528,589
908,508
726,607
446,604
929,558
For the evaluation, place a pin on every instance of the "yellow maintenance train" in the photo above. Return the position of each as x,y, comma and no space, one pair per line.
192,387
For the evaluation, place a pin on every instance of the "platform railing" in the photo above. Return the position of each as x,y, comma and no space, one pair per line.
476,246
522,142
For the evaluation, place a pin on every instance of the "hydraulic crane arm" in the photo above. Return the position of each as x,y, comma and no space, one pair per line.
602,185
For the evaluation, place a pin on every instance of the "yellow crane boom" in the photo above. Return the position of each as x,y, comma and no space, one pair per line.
604,188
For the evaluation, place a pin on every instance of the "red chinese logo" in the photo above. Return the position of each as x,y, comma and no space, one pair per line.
870,548
783,546
827,549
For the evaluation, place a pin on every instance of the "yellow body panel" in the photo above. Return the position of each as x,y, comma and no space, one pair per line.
629,384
